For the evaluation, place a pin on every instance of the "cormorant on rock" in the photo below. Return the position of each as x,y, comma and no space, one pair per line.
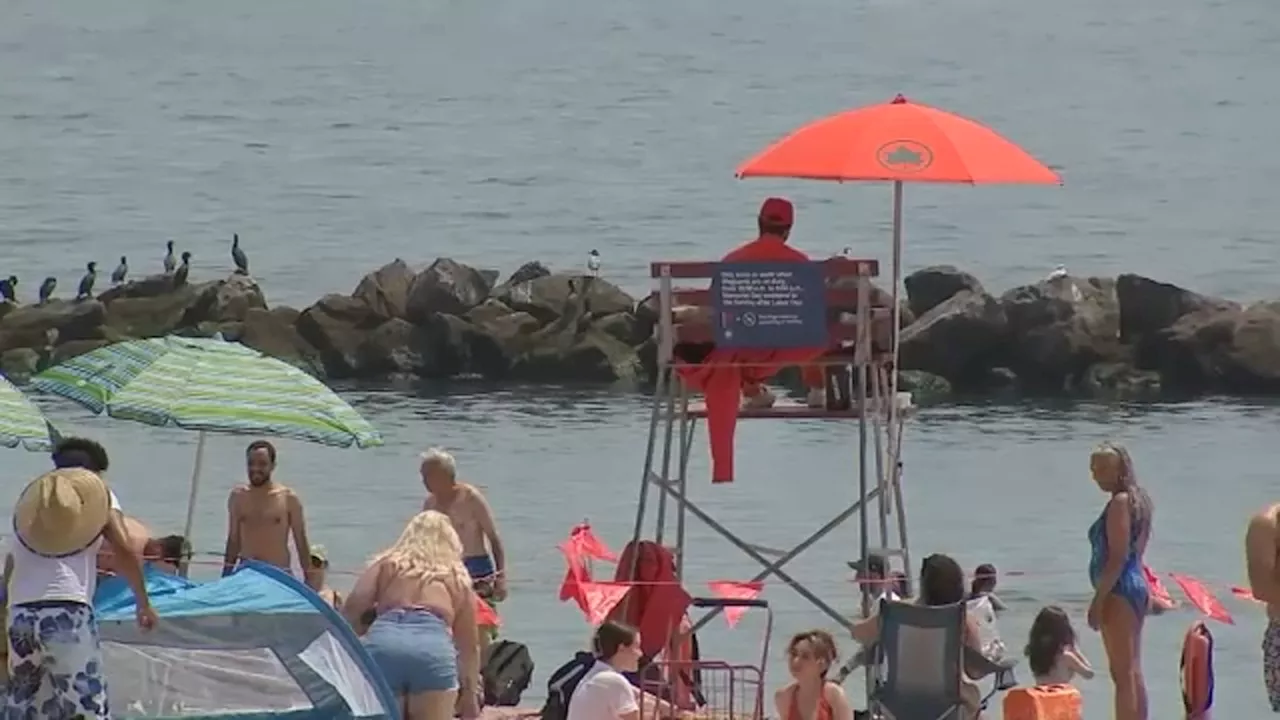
169,262
9,288
237,255
86,282
46,289
122,270
180,277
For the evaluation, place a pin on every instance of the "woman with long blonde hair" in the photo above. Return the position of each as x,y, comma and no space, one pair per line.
424,639
1122,599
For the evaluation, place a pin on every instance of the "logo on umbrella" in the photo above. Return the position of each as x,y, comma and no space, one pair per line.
905,156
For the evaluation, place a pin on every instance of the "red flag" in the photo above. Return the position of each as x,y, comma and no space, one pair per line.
1202,598
1244,594
599,599
575,575
1158,590
486,616
735,590
590,545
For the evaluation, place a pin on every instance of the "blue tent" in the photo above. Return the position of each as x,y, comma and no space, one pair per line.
255,645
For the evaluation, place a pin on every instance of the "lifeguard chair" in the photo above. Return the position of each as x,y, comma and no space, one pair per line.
854,349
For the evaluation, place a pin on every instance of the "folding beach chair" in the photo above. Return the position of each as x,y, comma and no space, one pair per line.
923,655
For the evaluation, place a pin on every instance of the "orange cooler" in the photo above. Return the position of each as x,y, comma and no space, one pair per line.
1043,702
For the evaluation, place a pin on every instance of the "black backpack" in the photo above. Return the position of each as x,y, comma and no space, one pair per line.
562,683
506,669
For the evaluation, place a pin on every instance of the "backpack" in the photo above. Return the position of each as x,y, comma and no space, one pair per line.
562,683
506,669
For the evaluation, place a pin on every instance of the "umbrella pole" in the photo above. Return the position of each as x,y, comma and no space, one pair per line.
191,500
896,319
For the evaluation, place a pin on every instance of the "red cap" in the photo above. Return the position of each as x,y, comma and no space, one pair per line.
777,211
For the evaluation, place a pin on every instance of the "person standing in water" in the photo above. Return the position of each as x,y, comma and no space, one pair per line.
1262,556
472,518
262,514
1122,599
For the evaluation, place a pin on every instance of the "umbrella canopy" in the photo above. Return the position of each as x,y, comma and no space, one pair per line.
21,422
898,141
208,385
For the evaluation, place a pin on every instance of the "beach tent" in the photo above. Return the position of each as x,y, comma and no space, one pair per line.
257,644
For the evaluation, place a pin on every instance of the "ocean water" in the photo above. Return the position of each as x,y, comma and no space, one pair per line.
335,137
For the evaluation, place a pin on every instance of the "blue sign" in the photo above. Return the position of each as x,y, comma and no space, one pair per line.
771,305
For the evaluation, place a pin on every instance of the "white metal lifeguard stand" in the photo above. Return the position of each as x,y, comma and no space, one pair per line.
858,336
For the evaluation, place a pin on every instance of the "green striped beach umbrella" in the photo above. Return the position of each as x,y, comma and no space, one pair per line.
207,385
21,422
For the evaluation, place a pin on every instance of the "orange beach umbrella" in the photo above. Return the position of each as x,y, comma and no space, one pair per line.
899,141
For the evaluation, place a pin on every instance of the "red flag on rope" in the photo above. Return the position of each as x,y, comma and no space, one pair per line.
486,616
589,545
599,599
1158,591
575,575
1244,594
735,590
1202,598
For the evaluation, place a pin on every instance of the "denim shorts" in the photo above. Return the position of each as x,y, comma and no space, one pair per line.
414,650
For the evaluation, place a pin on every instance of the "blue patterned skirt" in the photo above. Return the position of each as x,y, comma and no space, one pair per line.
55,664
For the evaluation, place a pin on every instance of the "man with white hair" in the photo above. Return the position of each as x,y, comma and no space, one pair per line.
472,517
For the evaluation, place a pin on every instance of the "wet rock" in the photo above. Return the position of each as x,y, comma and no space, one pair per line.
19,363
924,387
621,326
147,287
58,321
336,327
1058,328
386,289
274,332
551,296
591,356
1148,308
458,348
149,316
932,286
1122,381
225,301
447,287
396,347
1226,350
957,339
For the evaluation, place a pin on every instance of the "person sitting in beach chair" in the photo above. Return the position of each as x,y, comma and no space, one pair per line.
932,652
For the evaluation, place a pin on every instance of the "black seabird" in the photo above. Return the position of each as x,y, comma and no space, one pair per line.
237,255
86,282
122,270
8,289
180,277
169,262
46,289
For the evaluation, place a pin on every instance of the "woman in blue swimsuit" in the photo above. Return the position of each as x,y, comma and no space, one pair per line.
1118,539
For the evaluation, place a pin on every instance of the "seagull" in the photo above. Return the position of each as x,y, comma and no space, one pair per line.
847,252
593,263
122,270
86,282
1058,273
46,289
180,277
8,288
169,262
238,257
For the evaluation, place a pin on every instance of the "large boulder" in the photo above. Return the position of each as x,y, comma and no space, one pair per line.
336,326
274,332
589,356
957,339
550,296
396,347
226,301
1228,350
57,321
932,286
1148,308
447,287
150,286
459,348
142,316
1058,328
386,289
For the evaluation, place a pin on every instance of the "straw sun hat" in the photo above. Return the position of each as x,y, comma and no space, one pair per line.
62,512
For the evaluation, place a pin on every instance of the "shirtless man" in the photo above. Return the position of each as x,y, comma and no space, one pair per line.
1261,551
472,518
262,515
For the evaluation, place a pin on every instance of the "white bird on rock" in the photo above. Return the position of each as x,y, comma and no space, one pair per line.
593,263
1058,273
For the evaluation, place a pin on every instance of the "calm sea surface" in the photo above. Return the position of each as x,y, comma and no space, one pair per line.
334,137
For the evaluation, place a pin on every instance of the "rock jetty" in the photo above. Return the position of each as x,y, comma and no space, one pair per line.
1130,336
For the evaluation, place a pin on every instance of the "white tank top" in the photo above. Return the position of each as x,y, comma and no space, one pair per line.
37,578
